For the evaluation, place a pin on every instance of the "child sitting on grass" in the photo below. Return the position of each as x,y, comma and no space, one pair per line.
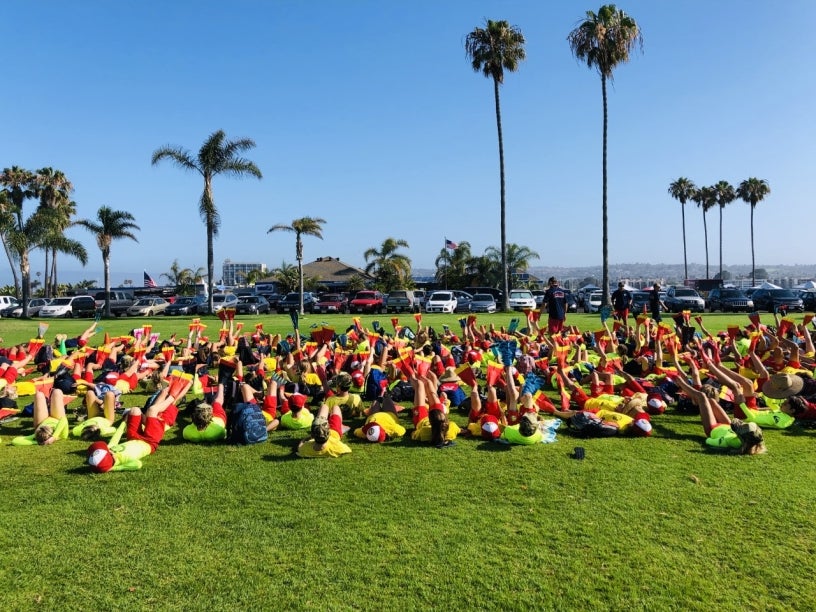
327,431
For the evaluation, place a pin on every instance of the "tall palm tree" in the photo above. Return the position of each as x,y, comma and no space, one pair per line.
453,266
305,226
216,156
604,40
492,50
705,198
54,190
391,269
752,191
518,257
18,185
109,225
682,190
725,194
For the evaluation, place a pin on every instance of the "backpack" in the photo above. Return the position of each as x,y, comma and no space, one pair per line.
589,425
247,424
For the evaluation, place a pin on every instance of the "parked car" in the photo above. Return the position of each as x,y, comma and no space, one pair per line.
76,306
441,301
463,300
331,303
148,307
16,309
273,299
583,294
420,296
402,300
776,299
252,304
729,300
521,299
572,301
223,300
640,300
187,305
808,299
593,302
368,301
497,294
483,302
291,301
120,301
679,299
538,296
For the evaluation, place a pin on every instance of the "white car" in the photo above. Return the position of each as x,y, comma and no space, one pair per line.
521,299
593,303
34,307
441,301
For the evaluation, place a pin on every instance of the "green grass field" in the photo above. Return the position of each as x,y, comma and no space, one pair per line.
655,523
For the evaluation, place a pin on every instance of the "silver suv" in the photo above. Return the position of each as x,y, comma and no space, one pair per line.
402,300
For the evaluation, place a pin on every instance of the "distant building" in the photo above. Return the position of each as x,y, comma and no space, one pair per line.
332,273
234,273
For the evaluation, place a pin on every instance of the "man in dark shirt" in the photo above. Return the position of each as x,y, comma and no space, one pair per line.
622,302
555,299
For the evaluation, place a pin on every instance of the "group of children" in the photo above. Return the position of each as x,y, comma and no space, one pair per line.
513,384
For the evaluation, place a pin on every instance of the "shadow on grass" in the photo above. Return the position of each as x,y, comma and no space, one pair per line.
666,432
494,447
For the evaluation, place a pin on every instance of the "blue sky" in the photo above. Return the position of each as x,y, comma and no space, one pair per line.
368,114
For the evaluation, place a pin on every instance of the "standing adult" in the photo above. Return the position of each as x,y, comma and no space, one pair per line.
655,303
555,298
622,302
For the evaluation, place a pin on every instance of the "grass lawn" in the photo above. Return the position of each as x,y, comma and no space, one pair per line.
655,523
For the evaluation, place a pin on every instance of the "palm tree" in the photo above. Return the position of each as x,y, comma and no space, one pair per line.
54,190
752,191
18,185
492,50
305,226
725,194
216,156
682,190
705,198
604,40
518,257
453,266
391,269
253,276
109,225
183,279
286,276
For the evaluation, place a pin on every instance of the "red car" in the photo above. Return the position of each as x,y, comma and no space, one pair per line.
331,303
368,301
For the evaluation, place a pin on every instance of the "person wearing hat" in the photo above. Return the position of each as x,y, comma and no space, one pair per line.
555,300
382,423
449,385
327,431
294,413
143,432
621,303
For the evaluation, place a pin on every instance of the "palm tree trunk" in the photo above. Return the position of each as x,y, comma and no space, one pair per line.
12,266
753,260
210,264
605,239
721,209
300,276
54,283
25,273
47,278
705,234
685,260
106,268
505,280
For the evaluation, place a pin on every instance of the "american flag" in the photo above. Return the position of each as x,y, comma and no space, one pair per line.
450,244
149,282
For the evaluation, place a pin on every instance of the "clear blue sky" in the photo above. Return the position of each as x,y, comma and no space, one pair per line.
368,114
